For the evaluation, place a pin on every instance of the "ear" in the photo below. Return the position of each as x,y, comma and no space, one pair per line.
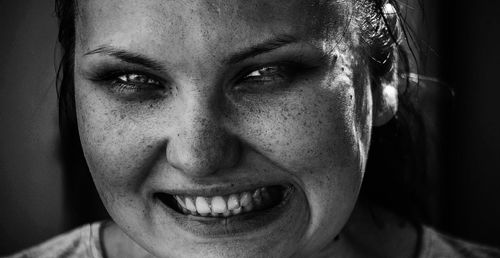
385,100
385,90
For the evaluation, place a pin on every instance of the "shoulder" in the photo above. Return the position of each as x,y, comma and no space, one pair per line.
80,242
435,244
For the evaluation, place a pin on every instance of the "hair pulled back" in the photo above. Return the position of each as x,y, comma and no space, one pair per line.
394,174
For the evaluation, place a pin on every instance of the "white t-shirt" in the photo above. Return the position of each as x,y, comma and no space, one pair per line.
86,242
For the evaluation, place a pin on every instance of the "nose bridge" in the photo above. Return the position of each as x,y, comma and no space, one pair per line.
201,145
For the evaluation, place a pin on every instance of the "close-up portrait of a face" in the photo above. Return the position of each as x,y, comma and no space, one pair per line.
259,128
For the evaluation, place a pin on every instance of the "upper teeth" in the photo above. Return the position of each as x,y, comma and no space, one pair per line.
232,204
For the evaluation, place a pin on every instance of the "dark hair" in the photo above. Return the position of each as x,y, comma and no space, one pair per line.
81,199
395,173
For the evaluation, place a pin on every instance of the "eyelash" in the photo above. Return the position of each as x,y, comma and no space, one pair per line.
125,81
133,82
278,74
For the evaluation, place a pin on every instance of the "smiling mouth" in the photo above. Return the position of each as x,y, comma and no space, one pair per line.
233,204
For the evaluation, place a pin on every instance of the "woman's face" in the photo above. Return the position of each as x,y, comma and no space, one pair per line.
255,115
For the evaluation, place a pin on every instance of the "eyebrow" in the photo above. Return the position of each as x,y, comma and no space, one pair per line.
140,59
266,46
127,56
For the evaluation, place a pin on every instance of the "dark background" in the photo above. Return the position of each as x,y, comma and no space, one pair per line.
471,52
460,50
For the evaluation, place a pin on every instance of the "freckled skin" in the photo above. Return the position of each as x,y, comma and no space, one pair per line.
314,135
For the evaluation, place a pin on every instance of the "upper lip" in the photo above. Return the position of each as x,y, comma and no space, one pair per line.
220,190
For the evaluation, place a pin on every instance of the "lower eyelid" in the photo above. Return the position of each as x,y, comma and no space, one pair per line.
133,85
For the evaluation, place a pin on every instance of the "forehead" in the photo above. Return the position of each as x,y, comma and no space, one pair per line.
204,23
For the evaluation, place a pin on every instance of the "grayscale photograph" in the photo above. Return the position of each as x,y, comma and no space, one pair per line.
250,128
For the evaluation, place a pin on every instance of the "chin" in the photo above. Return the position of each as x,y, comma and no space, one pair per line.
267,221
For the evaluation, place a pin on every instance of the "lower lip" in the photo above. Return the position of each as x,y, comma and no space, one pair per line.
220,227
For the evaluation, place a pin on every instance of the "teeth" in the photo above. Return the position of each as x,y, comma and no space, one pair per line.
249,207
257,197
180,202
190,205
202,206
218,205
223,206
237,211
233,202
246,199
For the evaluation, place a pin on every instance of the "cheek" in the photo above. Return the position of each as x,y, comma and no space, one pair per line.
114,147
313,138
306,133
316,135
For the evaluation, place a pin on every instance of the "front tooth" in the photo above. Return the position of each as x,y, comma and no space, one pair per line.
218,205
246,199
190,205
232,202
202,205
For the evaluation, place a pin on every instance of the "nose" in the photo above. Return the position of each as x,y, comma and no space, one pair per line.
201,146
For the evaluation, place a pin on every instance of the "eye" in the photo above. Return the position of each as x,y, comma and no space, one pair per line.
267,78
137,78
268,74
135,83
